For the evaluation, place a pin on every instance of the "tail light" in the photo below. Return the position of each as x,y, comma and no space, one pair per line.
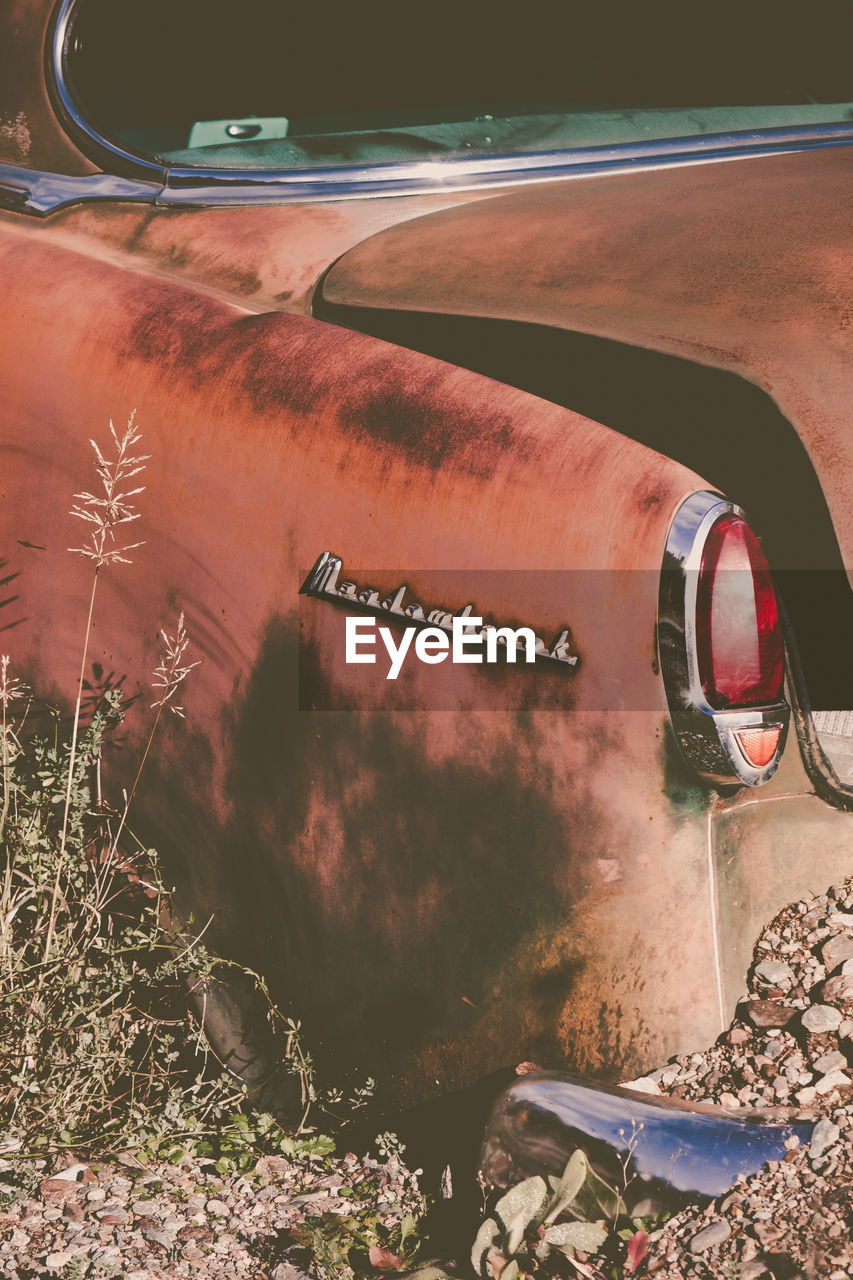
721,644
738,636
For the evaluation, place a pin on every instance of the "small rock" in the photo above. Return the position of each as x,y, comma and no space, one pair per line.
832,1061
72,1172
773,1048
196,1235
58,1188
287,1271
769,1013
144,1208
832,1080
821,1017
749,1249
838,988
752,1270
836,950
645,1084
775,974
57,1260
824,1135
157,1236
806,1096
711,1236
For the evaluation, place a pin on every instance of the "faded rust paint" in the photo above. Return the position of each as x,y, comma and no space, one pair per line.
468,868
269,257
29,131
744,265
427,855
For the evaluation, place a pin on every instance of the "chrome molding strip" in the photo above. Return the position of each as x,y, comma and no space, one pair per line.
706,736
40,193
180,185
655,1148
245,186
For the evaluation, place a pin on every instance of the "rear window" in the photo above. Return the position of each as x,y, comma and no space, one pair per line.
276,84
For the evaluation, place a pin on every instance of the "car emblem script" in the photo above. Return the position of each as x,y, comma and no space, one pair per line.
324,583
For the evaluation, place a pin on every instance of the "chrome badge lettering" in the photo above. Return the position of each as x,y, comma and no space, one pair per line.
324,582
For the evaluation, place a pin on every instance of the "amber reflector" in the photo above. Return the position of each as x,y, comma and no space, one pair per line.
738,636
759,745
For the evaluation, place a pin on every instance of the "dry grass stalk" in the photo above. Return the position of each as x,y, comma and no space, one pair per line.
168,676
105,513
11,690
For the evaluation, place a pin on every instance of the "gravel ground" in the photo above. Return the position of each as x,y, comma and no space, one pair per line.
788,1052
168,1222
790,1046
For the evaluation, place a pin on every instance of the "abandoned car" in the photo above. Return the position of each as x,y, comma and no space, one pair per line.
513,365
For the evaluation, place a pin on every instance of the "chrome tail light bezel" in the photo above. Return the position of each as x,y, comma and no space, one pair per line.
706,735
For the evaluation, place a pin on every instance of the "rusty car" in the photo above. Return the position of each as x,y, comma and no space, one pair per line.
543,324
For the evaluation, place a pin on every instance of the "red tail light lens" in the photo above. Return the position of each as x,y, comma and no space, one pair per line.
738,636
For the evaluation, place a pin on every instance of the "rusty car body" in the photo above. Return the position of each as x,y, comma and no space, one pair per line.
525,364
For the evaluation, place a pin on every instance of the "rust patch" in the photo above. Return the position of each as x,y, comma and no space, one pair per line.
275,362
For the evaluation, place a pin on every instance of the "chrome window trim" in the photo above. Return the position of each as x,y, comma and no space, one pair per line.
706,736
39,192
215,186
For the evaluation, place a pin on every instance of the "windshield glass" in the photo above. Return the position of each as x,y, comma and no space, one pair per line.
274,84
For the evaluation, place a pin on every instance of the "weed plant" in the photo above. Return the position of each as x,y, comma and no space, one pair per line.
102,1042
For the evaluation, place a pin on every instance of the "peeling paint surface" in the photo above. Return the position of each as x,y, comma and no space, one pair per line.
469,867
358,842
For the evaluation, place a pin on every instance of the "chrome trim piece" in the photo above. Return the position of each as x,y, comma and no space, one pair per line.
322,584
34,191
55,50
659,1152
706,736
423,176
210,186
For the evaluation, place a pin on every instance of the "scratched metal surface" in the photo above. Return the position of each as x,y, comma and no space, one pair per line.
445,889
744,265
436,885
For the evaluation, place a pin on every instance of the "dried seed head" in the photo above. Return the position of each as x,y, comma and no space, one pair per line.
172,670
114,508
10,688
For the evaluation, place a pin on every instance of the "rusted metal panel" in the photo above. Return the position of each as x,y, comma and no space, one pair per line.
430,886
768,850
746,266
269,256
465,868
29,131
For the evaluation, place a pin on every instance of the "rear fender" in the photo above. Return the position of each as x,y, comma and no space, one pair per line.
442,873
